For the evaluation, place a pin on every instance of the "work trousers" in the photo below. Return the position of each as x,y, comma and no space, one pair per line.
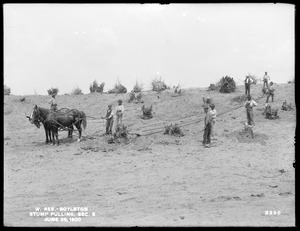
250,117
247,88
207,134
266,84
270,94
109,125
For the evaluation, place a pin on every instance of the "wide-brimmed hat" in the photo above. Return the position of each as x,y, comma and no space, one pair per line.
120,100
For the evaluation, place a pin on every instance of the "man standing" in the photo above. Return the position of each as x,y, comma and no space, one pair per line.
109,120
271,92
248,82
119,112
213,114
266,78
207,128
52,102
249,110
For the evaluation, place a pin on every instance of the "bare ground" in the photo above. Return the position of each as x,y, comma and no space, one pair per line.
153,180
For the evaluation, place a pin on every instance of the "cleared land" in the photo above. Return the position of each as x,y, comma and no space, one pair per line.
154,180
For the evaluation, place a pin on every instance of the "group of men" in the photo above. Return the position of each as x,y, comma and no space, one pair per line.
110,116
109,113
211,113
266,87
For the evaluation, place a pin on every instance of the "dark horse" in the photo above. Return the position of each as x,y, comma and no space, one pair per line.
61,119
47,126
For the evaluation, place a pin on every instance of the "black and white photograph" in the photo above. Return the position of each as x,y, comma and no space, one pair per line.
149,115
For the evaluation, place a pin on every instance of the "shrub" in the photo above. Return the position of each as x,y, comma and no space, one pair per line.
77,91
173,130
270,113
147,112
6,90
131,96
134,96
94,87
158,85
121,131
52,91
214,87
177,89
286,107
139,96
118,88
138,87
240,98
227,84
254,79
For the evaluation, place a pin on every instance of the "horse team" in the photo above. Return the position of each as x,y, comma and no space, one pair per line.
53,120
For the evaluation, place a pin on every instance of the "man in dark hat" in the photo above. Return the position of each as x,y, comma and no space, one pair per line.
207,128
53,103
248,82
109,119
119,112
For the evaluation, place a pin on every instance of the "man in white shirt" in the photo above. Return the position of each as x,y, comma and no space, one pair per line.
213,113
271,92
119,112
249,110
266,78
248,82
53,103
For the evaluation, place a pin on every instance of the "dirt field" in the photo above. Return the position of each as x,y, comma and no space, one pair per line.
154,180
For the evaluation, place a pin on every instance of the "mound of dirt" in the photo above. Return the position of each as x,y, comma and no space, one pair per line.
244,136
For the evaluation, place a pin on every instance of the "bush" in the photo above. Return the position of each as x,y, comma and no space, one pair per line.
138,87
94,87
121,131
52,91
270,113
254,79
147,112
6,90
118,88
173,130
158,85
77,91
134,96
240,99
177,89
227,84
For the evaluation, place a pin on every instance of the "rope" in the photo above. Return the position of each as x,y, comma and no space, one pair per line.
159,129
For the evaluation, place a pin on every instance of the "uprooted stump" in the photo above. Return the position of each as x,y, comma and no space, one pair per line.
147,112
265,91
240,98
286,107
134,97
270,113
207,101
173,130
120,135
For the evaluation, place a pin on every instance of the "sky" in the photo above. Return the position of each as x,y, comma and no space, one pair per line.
70,45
